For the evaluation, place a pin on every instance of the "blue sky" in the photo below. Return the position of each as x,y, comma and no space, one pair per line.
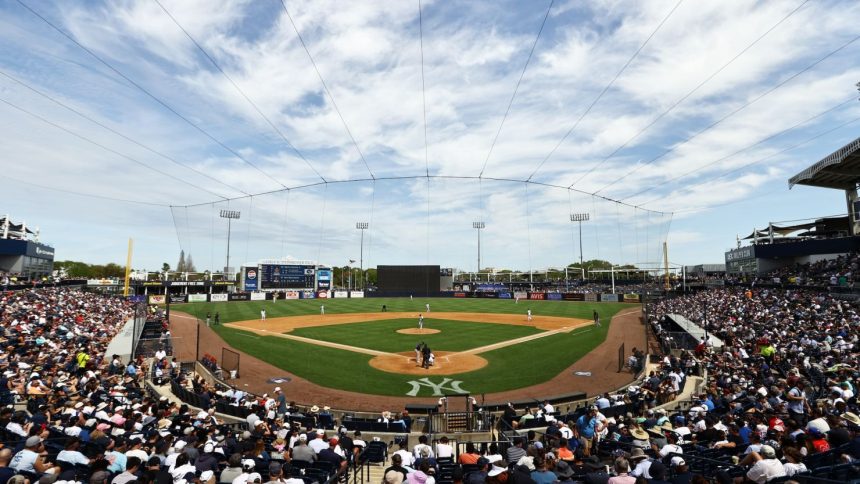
693,135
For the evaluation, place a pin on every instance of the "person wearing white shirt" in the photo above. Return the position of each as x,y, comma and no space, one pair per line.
319,443
444,450
405,455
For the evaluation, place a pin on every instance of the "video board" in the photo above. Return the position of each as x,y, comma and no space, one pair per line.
287,276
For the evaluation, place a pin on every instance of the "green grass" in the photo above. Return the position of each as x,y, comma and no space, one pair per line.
383,335
509,368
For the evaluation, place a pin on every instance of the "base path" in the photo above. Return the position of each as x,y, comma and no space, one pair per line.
602,362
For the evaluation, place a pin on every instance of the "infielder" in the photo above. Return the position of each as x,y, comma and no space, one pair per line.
596,319
322,310
263,314
529,315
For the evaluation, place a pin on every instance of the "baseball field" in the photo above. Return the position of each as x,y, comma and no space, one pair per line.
480,345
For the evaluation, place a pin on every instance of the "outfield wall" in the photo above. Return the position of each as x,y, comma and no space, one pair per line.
292,295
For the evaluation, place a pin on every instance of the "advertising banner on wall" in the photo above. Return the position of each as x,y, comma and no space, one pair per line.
358,294
137,299
554,296
633,298
197,298
291,295
609,297
239,297
322,294
540,296
591,297
258,296
573,296
156,299
308,295
459,294
179,299
505,295
251,280
487,295
218,297
341,294
521,294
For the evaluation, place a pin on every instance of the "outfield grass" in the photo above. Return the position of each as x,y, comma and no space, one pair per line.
509,368
383,335
242,311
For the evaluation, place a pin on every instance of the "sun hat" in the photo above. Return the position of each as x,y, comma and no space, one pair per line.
639,434
562,469
315,409
496,470
637,453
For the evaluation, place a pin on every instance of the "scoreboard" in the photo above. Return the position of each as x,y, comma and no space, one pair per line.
287,276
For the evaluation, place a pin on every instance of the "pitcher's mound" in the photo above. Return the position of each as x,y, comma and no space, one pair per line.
447,363
418,331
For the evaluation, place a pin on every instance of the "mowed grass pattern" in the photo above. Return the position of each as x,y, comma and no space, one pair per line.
383,335
513,367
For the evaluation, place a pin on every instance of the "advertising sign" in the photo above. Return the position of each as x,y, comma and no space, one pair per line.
520,294
251,279
340,294
634,298
609,297
258,296
156,299
459,294
197,298
218,297
324,279
137,299
487,295
291,295
537,296
322,294
505,295
239,297
178,299
591,297
308,295
554,296
358,294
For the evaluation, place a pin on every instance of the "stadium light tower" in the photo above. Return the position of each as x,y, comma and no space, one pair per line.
580,217
362,226
478,226
229,215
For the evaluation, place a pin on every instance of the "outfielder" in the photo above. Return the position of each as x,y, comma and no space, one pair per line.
529,315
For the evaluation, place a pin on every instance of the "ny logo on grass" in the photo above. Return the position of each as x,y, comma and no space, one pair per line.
439,389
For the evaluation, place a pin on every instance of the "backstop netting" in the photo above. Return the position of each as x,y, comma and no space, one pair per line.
432,221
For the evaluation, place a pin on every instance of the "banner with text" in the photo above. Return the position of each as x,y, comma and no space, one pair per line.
609,297
505,295
178,299
633,298
197,298
251,279
308,295
239,297
358,294
291,295
540,296
258,296
218,297
554,296
591,297
340,294
156,299
520,294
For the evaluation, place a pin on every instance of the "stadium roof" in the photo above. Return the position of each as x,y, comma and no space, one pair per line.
840,169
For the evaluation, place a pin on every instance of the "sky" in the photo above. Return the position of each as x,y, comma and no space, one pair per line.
676,121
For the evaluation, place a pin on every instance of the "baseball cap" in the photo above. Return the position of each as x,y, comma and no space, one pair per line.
209,447
333,441
678,461
255,477
33,441
767,452
248,464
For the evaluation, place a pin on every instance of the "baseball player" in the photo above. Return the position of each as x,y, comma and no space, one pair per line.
427,307
322,310
420,321
596,318
529,315
263,314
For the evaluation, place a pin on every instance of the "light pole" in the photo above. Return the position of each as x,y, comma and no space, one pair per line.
362,226
349,278
580,217
478,226
229,215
